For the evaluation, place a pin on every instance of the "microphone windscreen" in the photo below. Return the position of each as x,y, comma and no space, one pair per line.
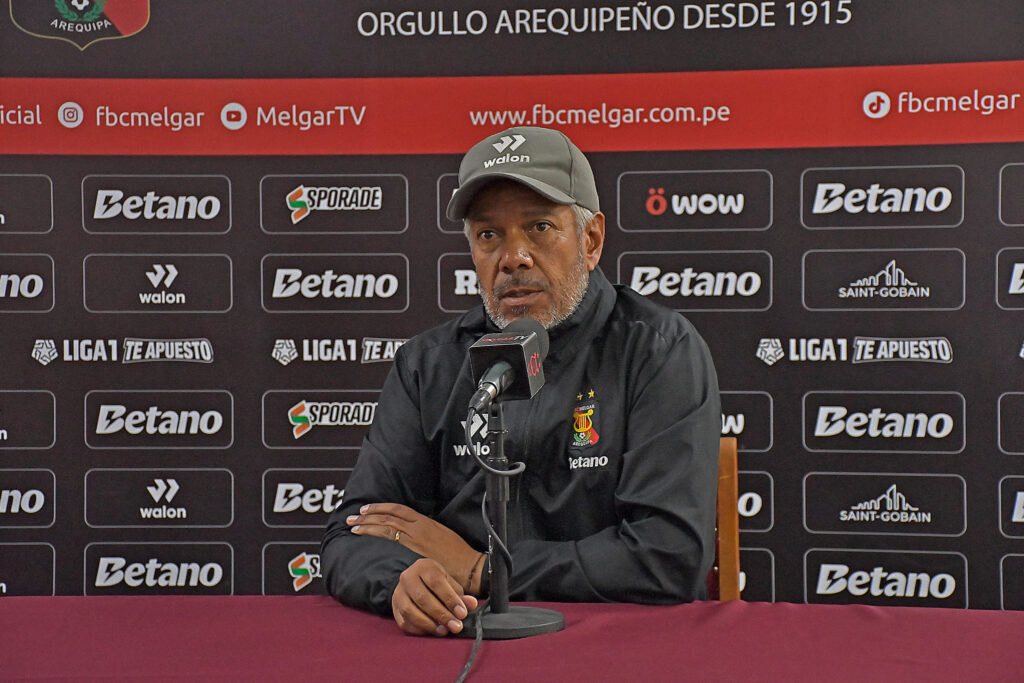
528,325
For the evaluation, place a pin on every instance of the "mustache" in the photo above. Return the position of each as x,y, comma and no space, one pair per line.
518,282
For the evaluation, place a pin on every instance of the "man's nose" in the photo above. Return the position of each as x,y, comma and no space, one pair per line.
515,255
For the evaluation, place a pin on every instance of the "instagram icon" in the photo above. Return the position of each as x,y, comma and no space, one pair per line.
70,115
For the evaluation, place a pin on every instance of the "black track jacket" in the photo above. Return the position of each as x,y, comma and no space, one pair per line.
617,502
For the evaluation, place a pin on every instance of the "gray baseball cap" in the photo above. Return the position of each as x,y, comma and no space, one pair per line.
543,159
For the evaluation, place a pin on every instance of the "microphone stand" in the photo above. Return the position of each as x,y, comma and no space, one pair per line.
502,621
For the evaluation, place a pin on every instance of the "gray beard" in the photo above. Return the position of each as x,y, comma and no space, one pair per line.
567,300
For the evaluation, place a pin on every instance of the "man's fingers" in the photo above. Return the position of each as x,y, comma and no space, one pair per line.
427,601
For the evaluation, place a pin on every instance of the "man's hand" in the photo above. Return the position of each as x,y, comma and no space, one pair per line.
422,535
429,601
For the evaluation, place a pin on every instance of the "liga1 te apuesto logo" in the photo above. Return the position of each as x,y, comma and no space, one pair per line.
82,22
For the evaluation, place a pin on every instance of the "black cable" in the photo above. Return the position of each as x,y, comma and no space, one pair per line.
476,643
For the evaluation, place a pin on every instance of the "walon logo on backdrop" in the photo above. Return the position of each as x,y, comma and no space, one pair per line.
884,421
159,419
170,497
885,504
81,22
334,283
695,201
882,197
170,568
885,577
701,280
883,279
747,415
26,283
157,283
156,204
321,204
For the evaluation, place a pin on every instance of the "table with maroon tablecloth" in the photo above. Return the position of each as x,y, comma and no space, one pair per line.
257,638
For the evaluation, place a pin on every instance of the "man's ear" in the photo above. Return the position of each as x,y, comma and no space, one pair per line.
593,240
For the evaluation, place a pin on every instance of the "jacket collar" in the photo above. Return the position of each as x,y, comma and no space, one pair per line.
576,331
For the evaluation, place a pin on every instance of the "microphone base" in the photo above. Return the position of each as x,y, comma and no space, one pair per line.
518,622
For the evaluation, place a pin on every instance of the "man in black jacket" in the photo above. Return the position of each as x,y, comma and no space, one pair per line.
617,502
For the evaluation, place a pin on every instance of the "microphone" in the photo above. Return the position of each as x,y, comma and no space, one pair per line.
509,363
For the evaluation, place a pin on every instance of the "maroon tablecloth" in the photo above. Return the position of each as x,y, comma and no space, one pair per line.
301,639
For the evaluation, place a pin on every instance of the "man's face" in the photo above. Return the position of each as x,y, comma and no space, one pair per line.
530,260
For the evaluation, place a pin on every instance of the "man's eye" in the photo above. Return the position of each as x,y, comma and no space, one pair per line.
542,227
485,235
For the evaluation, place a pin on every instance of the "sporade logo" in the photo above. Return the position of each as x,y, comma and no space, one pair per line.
305,415
334,204
313,283
882,197
884,422
705,281
341,417
302,200
695,200
159,419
